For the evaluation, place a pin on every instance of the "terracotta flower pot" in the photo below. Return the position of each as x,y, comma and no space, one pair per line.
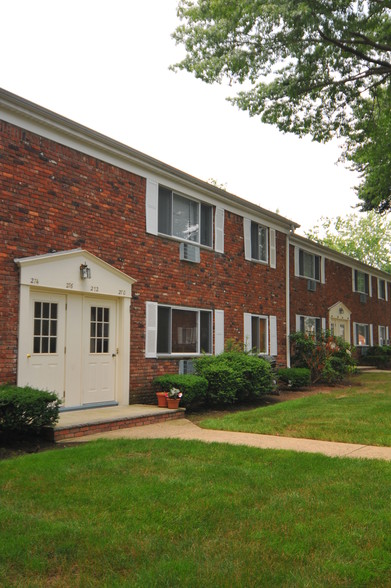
173,402
161,399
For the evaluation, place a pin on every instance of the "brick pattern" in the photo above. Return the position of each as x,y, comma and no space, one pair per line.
55,198
338,288
81,430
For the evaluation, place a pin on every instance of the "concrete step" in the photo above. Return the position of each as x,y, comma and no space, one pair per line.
98,420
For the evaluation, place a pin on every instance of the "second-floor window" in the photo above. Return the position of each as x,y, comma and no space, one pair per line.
309,265
184,218
361,282
259,242
381,289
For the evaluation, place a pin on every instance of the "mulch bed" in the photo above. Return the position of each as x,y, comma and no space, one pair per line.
15,445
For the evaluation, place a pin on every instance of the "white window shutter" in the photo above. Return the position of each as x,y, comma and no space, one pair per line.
322,270
273,335
247,331
151,329
297,263
151,206
219,230
323,324
247,238
298,323
219,331
371,335
353,280
272,239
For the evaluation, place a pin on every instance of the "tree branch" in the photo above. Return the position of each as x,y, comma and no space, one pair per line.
353,51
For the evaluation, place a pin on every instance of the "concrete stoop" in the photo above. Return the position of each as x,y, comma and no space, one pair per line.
101,420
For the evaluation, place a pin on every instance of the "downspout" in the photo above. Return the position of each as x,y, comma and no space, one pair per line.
287,303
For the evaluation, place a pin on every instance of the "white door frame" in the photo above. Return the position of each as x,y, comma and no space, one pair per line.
60,273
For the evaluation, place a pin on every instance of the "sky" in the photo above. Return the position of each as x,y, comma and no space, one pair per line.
106,65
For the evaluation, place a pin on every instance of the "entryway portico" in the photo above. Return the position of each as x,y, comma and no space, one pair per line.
74,328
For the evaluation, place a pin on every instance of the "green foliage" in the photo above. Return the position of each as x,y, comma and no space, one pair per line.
365,237
234,376
328,358
318,68
193,388
294,378
24,410
378,356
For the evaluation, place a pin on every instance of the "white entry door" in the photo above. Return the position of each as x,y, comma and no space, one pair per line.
99,350
43,359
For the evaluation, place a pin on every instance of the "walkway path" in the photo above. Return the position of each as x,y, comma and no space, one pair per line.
185,429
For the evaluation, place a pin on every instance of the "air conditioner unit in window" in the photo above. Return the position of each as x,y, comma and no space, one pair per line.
186,366
363,298
311,285
189,252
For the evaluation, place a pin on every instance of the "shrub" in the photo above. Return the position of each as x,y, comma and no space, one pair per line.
234,376
193,387
24,410
378,356
329,358
295,378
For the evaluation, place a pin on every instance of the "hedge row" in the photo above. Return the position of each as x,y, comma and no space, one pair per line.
223,379
24,410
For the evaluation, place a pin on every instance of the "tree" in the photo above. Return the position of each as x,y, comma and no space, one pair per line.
317,67
364,237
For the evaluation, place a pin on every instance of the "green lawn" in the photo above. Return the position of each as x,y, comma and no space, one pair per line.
159,513
357,414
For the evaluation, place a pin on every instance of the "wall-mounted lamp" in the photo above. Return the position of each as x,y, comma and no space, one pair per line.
85,271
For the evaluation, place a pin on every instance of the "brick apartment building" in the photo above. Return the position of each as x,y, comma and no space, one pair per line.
115,267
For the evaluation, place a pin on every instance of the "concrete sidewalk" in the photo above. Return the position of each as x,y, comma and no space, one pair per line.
185,429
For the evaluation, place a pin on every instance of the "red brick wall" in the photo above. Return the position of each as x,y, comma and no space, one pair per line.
55,198
338,288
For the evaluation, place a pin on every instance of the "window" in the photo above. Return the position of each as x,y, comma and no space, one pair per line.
259,334
45,327
259,242
381,289
309,265
183,218
383,336
361,282
99,329
183,331
362,335
308,324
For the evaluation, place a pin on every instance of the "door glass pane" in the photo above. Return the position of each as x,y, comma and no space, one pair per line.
99,329
45,327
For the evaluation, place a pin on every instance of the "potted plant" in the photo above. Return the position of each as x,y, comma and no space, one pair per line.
162,399
173,397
